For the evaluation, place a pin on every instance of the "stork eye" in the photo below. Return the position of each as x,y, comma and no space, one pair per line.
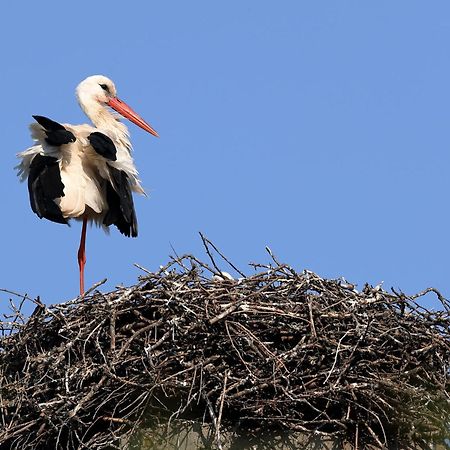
104,87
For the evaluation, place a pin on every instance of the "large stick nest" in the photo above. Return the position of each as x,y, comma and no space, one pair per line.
276,350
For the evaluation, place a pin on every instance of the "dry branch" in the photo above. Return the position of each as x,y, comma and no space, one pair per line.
276,350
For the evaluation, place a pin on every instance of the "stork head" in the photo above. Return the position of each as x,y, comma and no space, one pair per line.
97,91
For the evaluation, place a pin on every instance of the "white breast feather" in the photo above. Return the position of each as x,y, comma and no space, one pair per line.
82,169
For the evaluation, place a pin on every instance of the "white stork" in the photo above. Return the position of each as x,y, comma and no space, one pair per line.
85,172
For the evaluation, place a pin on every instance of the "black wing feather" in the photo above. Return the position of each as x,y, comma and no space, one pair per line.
48,124
103,145
44,186
56,134
121,211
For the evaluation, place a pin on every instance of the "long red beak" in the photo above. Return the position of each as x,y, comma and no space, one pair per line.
122,108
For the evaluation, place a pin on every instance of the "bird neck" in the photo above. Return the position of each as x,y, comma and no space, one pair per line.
108,121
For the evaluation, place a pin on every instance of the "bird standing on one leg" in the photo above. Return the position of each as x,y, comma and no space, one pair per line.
85,172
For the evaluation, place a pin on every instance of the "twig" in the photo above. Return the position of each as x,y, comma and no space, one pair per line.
258,352
207,242
219,418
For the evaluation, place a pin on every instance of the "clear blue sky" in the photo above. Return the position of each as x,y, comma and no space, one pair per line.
320,129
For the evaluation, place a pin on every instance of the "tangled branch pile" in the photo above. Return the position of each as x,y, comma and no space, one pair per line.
276,350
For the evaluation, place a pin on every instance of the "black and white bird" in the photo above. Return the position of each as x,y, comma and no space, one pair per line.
85,172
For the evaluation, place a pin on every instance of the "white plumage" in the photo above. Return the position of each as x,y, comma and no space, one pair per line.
93,163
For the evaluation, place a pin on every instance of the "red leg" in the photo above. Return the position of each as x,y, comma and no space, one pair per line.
82,255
